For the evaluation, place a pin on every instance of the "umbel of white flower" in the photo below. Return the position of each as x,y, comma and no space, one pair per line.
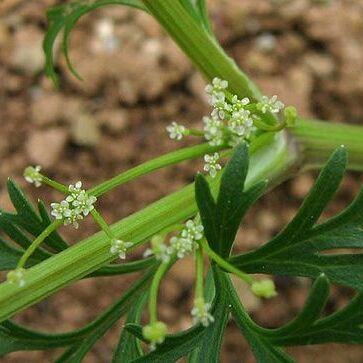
159,249
200,312
176,131
185,243
77,205
211,165
119,247
232,119
32,175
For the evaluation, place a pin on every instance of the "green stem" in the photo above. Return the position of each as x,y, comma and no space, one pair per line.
37,242
317,140
152,165
52,183
201,47
199,268
102,223
224,264
153,296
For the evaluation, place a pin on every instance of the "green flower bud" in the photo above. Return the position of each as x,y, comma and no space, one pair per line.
290,114
155,333
264,288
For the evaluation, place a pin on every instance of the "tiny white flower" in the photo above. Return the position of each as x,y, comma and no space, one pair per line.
241,123
181,246
16,277
213,130
158,249
192,230
176,131
119,247
32,175
272,104
61,210
211,164
201,314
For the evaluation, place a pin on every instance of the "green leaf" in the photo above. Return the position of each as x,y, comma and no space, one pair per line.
64,17
211,342
202,10
344,326
128,347
26,221
299,249
262,349
109,318
14,337
221,219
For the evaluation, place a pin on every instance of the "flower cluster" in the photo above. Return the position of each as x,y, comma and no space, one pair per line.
119,247
176,131
32,175
181,245
77,205
200,312
159,249
211,165
232,120
185,243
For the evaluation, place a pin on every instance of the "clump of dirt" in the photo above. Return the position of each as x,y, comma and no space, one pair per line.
136,81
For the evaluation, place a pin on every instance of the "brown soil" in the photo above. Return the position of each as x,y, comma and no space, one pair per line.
135,82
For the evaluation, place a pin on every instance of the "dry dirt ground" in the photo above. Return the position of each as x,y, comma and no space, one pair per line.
136,81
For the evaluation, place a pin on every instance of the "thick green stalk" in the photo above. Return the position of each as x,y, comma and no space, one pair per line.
317,139
201,48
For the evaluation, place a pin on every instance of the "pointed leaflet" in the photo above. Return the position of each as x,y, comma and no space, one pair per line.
211,342
221,219
109,318
262,349
344,326
27,219
14,337
128,347
298,249
65,17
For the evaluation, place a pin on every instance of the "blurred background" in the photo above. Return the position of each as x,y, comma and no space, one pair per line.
136,81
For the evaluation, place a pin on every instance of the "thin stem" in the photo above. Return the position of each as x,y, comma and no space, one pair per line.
52,183
195,132
199,268
224,264
153,296
37,242
102,223
155,164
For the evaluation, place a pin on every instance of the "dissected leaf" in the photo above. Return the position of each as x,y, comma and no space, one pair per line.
14,337
299,249
128,347
222,218
211,342
263,350
64,17
109,318
28,220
